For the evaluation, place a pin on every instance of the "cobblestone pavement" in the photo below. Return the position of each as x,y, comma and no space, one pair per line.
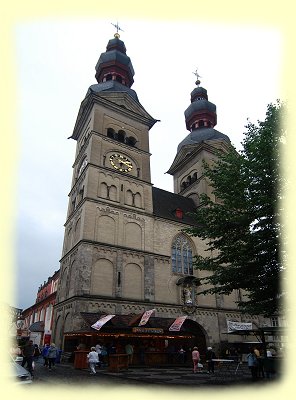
176,376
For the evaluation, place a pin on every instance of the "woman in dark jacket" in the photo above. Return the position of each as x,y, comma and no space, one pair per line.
210,355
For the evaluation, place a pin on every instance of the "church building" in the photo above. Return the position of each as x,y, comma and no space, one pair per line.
124,250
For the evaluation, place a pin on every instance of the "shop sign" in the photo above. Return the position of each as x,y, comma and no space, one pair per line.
102,321
176,325
147,330
146,316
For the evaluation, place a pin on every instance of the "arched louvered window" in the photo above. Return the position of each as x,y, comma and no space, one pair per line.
110,133
121,136
182,256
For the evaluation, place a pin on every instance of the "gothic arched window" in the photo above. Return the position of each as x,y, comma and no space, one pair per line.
182,256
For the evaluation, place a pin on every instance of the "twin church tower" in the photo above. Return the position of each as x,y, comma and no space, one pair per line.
124,251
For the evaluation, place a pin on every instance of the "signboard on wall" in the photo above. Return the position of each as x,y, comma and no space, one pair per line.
147,330
238,326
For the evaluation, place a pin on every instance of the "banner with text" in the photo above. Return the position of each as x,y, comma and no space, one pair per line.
98,325
176,325
238,326
146,316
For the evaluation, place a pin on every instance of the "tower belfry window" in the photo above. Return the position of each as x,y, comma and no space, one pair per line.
110,133
121,136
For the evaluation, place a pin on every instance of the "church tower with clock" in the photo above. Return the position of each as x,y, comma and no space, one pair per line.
124,249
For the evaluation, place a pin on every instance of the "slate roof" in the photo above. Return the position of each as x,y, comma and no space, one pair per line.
112,86
115,55
201,134
165,204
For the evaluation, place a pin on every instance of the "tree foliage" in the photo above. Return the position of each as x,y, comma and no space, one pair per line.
242,226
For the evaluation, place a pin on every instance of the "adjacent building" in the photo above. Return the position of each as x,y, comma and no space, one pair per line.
37,320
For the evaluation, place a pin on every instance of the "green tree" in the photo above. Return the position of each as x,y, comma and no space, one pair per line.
242,227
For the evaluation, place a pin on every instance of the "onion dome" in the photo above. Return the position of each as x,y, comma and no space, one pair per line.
114,64
201,112
200,118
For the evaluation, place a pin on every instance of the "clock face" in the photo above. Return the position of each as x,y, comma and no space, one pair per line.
121,163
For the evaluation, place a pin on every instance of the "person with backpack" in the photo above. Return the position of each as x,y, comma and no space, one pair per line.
52,355
28,353
44,354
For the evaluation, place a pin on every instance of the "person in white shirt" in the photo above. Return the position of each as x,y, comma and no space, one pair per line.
93,359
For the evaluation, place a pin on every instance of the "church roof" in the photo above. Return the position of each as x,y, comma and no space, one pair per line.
166,203
201,134
112,86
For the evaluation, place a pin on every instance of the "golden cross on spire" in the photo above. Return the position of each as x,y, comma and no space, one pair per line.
117,29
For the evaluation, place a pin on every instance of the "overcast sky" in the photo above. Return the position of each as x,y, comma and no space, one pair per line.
240,66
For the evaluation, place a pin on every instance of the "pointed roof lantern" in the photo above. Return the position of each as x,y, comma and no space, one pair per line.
114,64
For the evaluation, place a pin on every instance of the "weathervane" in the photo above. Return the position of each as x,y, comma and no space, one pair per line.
197,76
117,29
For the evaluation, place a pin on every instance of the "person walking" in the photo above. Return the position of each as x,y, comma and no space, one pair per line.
93,359
253,364
210,355
52,355
28,352
181,355
44,354
195,359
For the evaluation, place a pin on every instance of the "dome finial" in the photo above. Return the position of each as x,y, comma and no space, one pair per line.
197,76
116,35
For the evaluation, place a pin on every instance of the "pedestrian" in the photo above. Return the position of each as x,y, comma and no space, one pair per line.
52,355
99,348
181,355
36,353
260,370
195,359
93,359
28,354
210,355
130,352
253,364
104,356
44,354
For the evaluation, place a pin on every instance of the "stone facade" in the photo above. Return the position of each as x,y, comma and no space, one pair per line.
117,252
